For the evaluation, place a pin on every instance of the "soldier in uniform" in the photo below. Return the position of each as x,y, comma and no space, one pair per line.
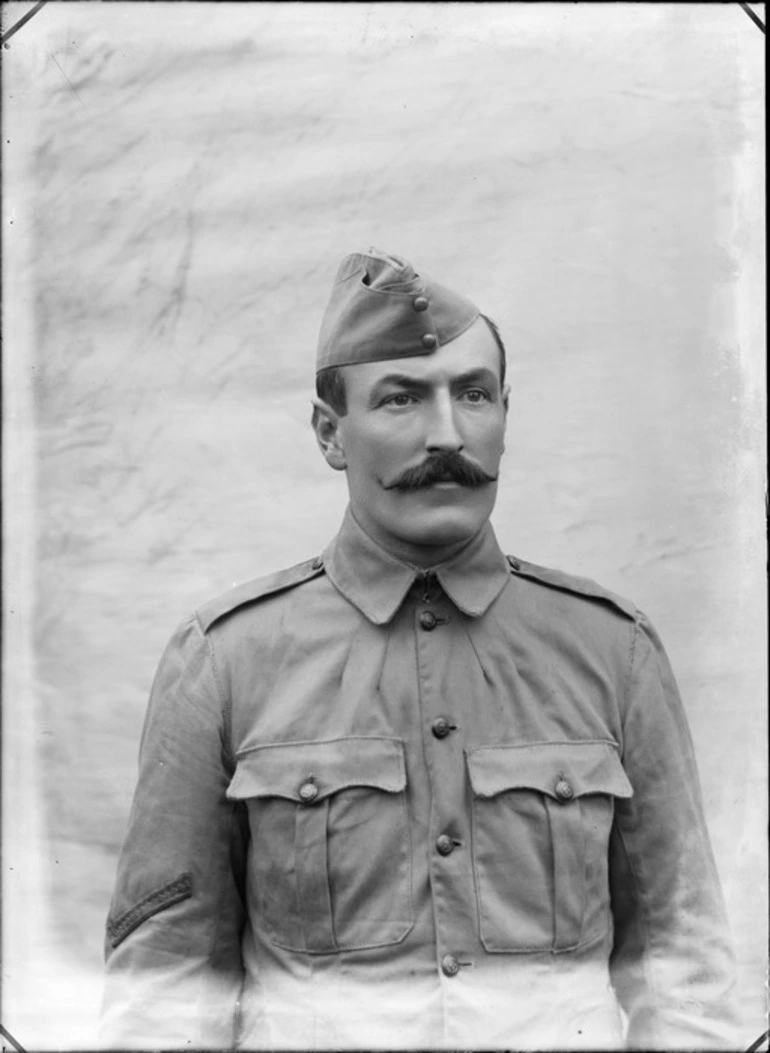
413,793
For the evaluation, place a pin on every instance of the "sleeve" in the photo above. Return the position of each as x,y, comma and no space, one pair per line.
671,964
174,969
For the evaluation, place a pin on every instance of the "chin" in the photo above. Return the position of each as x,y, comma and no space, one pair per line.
435,527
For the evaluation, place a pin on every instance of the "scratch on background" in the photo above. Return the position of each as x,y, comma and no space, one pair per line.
69,82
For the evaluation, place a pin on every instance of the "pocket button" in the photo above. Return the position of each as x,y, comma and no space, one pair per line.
564,791
308,792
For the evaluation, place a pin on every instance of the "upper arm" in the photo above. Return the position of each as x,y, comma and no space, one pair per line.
672,961
176,913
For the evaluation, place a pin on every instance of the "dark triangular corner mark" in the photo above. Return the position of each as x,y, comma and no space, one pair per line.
752,16
762,1038
22,22
11,1039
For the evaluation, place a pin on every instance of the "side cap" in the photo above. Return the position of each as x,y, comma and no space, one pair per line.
381,308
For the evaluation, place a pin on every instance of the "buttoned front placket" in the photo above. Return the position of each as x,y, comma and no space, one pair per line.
436,696
436,629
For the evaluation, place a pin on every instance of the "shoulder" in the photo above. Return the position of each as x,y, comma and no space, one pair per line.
584,588
258,589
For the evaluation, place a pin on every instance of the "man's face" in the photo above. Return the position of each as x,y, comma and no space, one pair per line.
421,443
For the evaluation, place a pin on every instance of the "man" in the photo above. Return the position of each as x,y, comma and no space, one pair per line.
414,793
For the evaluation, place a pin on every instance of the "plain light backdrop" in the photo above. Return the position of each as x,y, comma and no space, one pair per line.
180,183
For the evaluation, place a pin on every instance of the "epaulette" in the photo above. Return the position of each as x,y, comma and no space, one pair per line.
258,589
557,579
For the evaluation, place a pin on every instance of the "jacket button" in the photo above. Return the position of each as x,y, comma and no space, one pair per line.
440,727
420,303
428,620
450,965
429,341
308,792
564,791
445,845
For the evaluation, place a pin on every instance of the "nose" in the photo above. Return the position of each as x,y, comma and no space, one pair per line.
442,430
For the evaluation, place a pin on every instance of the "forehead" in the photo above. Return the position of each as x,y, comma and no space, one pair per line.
475,349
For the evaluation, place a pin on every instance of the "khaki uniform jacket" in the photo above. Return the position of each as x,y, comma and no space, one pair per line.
380,808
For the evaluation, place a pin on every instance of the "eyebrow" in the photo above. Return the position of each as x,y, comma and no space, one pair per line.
482,375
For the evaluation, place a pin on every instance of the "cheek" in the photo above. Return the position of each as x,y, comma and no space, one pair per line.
374,453
368,465
489,439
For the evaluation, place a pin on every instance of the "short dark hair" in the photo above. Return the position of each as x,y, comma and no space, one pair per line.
330,382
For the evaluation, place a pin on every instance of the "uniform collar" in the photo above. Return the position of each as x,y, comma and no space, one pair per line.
376,582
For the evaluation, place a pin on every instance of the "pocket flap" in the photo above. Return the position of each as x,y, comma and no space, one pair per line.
549,767
307,772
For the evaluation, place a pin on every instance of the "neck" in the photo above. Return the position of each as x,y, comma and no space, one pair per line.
422,556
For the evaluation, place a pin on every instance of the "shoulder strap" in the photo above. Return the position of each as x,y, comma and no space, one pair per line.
557,579
251,591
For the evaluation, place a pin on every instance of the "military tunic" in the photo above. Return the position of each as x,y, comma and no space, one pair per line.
385,808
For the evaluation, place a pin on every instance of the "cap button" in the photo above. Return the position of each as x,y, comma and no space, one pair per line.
429,340
420,303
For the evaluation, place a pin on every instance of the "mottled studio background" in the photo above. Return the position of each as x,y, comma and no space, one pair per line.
181,181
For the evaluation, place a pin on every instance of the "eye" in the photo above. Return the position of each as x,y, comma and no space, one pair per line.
398,400
475,396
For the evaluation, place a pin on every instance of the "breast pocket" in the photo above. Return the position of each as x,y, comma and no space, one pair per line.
542,815
330,858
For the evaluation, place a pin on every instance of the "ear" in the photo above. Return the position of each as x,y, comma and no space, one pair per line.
326,425
505,400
